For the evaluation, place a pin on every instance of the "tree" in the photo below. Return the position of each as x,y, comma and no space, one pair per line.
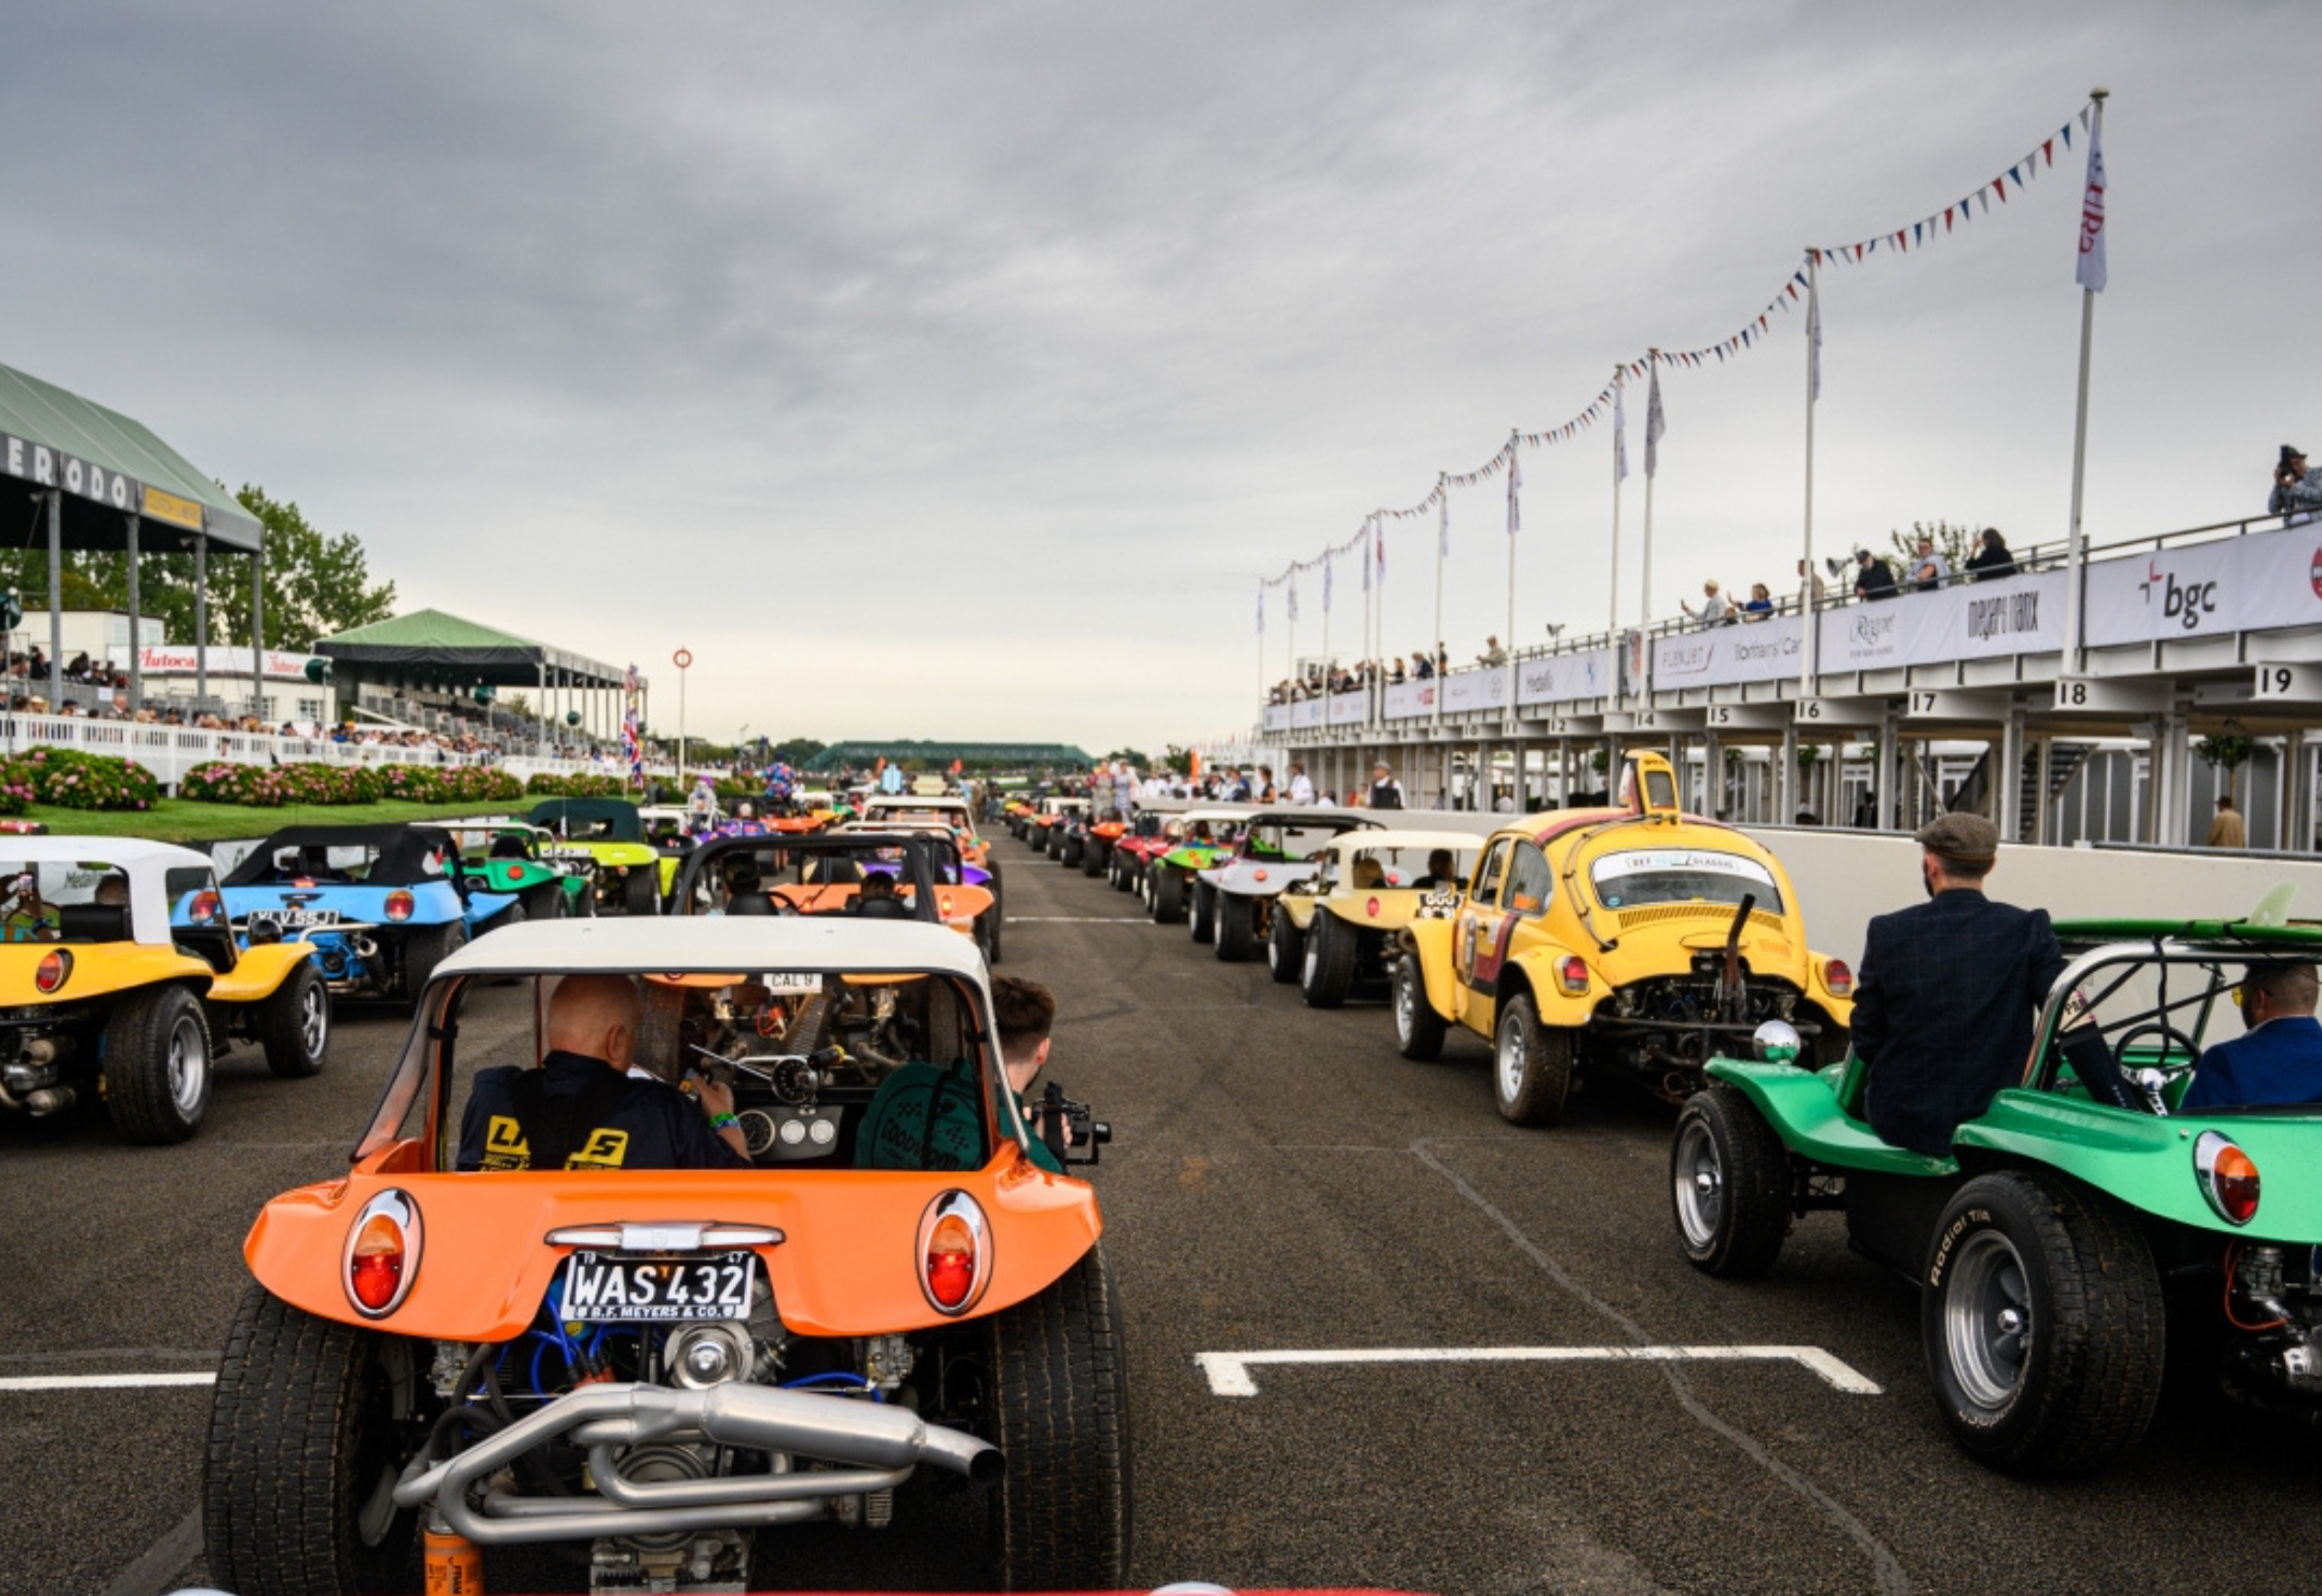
315,585
1180,760
795,751
1135,760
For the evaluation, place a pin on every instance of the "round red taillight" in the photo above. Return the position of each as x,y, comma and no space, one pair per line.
382,1254
1257,875
206,908
955,1253
1371,908
514,872
55,970
2228,1177
400,904
1838,978
1574,973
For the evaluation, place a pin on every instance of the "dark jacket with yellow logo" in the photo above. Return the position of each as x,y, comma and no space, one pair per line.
646,1125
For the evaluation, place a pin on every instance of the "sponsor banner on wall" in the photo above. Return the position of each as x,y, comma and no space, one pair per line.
1483,688
161,659
1277,718
1558,679
2238,584
2018,616
1349,708
1305,713
1408,700
1721,656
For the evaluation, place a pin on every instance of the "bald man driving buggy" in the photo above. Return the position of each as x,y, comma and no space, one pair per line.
585,1107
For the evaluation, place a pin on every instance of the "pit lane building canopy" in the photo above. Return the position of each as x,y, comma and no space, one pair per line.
939,756
81,477
433,652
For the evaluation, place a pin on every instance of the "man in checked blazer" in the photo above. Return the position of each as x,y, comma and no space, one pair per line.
1943,1009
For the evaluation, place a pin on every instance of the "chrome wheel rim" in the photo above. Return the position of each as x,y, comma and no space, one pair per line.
1511,1075
188,1064
1987,1319
314,1019
1406,1016
1700,1179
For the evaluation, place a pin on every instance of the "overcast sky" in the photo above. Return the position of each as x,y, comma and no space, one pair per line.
957,370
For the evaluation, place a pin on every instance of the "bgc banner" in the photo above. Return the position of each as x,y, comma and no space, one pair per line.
2243,584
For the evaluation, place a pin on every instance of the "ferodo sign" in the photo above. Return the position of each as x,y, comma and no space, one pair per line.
53,468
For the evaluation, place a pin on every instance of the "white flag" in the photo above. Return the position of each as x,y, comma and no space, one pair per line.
1515,491
1292,604
1326,581
1362,558
1378,539
1261,609
1814,343
1442,522
1654,423
2090,273
1620,431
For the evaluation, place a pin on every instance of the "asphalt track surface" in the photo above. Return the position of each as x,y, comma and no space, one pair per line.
1281,1181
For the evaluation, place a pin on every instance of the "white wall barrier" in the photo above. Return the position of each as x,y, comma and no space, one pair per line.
169,751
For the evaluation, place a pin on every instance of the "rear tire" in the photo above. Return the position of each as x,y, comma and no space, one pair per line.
1419,1030
1204,916
1729,1185
1168,896
1328,970
641,893
157,1066
1532,1065
1285,947
990,923
1059,1415
1092,857
307,1429
1237,929
2043,1323
424,949
294,1026
1070,850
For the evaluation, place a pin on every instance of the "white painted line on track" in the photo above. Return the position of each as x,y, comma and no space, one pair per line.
100,1381
1076,920
1230,1373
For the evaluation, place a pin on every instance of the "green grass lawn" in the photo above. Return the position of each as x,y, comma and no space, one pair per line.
181,820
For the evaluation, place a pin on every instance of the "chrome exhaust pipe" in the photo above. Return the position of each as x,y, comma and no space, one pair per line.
880,1443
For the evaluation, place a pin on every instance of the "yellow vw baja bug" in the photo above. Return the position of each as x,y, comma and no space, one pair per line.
1638,940
120,973
1343,922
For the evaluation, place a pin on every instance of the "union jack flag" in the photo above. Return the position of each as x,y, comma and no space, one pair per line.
630,682
633,744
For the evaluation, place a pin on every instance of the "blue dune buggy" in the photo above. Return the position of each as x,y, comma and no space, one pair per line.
380,906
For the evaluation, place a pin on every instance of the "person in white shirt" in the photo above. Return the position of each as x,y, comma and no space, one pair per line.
1302,790
1929,570
1714,609
1387,792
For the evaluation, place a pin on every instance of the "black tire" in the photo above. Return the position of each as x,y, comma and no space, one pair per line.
583,903
987,925
294,1026
515,914
1070,850
427,947
1125,869
1203,920
1092,857
1059,1397
1419,1030
1327,973
1168,896
305,1430
2087,1346
158,1066
641,893
1237,919
1532,1065
1285,947
545,902
1729,1185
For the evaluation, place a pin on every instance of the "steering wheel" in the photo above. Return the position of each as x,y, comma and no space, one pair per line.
2171,1036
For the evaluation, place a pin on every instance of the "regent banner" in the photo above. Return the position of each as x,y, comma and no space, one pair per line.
2021,615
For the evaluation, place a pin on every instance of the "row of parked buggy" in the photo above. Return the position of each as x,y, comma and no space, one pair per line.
2083,1233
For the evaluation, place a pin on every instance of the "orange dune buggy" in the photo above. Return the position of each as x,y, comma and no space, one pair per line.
659,1367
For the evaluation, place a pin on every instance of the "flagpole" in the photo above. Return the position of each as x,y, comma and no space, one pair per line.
1645,578
1442,536
1613,614
2075,547
1515,522
1810,644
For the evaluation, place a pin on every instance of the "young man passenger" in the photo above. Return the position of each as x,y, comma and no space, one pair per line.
926,1115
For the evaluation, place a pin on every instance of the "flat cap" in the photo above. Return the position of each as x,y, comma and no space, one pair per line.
1968,838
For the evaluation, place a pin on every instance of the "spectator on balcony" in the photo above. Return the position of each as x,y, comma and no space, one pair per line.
1493,654
1929,570
1442,658
1715,610
1821,592
1423,666
2296,497
1761,605
1992,558
1872,577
